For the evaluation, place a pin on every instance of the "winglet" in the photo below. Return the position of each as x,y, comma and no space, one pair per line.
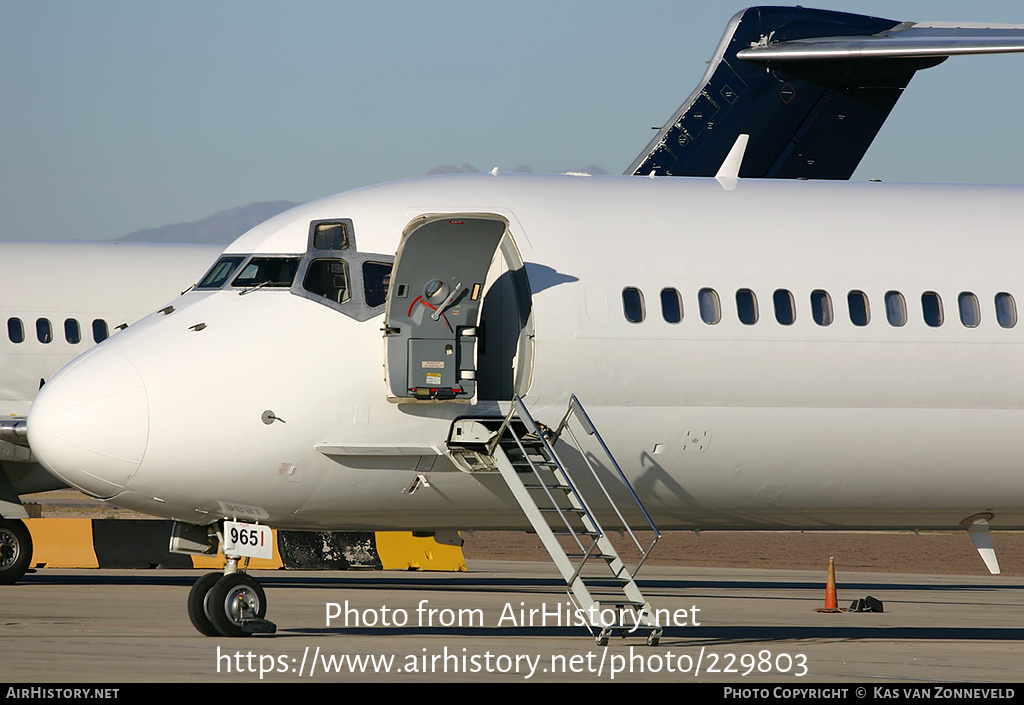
729,172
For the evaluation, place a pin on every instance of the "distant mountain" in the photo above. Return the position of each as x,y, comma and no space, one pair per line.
222,227
226,226
450,169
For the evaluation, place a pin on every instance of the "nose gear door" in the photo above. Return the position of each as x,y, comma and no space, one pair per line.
433,312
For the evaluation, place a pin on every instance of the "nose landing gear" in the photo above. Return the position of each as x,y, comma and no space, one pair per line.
231,602
229,605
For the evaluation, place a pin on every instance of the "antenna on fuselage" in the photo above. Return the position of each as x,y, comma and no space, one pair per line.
729,173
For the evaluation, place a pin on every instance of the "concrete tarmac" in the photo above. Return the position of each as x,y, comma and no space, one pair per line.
733,626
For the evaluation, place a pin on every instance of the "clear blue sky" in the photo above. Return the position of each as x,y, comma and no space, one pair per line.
121,115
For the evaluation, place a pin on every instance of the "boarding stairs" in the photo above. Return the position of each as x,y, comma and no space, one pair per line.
599,583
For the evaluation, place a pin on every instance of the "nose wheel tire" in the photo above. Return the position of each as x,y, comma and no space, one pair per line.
234,599
15,550
197,604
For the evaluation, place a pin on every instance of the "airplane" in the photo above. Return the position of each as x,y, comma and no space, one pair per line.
56,300
421,355
831,131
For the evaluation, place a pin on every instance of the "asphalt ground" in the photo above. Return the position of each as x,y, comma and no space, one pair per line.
741,626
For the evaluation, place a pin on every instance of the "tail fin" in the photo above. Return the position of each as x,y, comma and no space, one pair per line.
811,88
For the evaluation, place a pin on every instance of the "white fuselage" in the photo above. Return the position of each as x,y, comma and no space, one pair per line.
58,299
717,425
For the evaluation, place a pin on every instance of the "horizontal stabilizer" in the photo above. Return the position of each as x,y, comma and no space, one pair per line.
812,88
907,41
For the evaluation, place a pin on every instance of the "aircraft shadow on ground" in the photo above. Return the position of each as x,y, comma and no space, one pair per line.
553,589
412,580
690,636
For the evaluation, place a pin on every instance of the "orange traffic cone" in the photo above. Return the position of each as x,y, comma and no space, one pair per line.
831,601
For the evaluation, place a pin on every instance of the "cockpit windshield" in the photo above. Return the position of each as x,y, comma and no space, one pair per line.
220,272
268,272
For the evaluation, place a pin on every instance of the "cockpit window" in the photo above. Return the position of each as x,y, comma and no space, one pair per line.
376,279
220,272
330,236
268,272
328,278
333,272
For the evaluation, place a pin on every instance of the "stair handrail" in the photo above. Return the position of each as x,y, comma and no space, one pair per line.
576,407
519,408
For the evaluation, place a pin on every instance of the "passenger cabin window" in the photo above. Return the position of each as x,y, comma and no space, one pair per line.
1006,310
330,236
821,307
72,331
633,304
895,309
710,307
671,305
15,330
220,272
376,280
746,306
970,309
931,305
44,331
328,278
860,314
274,272
100,332
785,308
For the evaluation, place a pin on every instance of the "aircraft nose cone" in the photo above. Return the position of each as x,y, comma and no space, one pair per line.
89,424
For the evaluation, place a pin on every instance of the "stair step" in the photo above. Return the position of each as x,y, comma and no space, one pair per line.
622,603
530,468
607,581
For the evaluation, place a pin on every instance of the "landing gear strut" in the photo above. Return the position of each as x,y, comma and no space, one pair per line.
15,550
229,604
